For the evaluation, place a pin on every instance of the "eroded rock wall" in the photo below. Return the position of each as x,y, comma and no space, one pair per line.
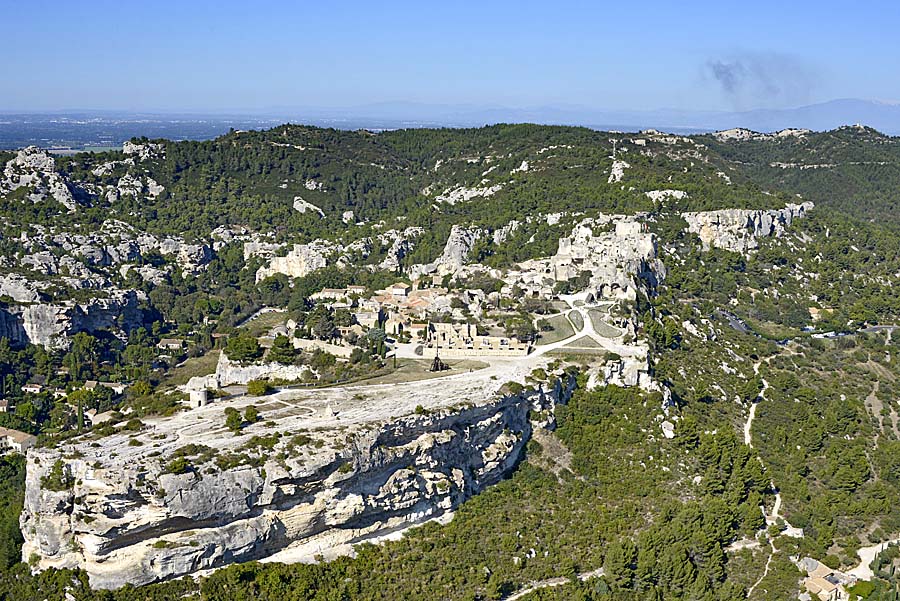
51,325
738,230
125,520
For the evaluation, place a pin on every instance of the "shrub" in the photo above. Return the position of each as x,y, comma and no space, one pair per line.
179,465
512,388
134,425
233,419
243,347
58,478
863,588
258,388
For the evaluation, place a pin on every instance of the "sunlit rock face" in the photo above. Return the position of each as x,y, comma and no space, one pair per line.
739,230
125,516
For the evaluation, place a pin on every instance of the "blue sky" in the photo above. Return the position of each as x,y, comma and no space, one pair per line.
197,55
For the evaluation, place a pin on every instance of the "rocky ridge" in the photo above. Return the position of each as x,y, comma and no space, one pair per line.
738,230
125,518
35,170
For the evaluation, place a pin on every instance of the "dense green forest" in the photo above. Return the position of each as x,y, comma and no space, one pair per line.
251,178
544,521
852,169
606,489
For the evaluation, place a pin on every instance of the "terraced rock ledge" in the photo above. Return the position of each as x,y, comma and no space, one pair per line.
184,493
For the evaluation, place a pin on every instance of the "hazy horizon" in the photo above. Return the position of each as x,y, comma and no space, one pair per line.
208,58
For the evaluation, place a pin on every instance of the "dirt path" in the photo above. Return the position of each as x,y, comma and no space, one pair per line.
866,556
550,583
748,435
748,425
875,407
775,516
765,570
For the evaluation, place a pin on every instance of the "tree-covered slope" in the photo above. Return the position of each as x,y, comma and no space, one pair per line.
855,170
783,333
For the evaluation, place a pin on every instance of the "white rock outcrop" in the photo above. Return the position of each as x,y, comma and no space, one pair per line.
231,372
617,171
662,195
302,206
739,134
502,234
455,254
401,242
738,230
144,151
300,261
125,518
454,195
18,288
35,169
76,257
52,325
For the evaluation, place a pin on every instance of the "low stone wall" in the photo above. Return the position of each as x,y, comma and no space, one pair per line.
335,349
428,353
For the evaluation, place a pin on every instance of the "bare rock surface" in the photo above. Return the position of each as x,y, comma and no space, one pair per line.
738,230
35,169
52,324
455,254
337,464
302,260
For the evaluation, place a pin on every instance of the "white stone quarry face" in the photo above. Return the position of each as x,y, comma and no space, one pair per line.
51,325
738,230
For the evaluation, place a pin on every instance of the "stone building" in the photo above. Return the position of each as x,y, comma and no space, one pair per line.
14,441
462,340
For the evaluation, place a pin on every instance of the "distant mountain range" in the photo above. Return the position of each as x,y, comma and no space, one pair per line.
88,129
882,116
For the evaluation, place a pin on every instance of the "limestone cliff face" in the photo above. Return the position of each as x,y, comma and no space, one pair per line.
125,520
51,325
456,252
301,261
11,328
230,372
738,230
